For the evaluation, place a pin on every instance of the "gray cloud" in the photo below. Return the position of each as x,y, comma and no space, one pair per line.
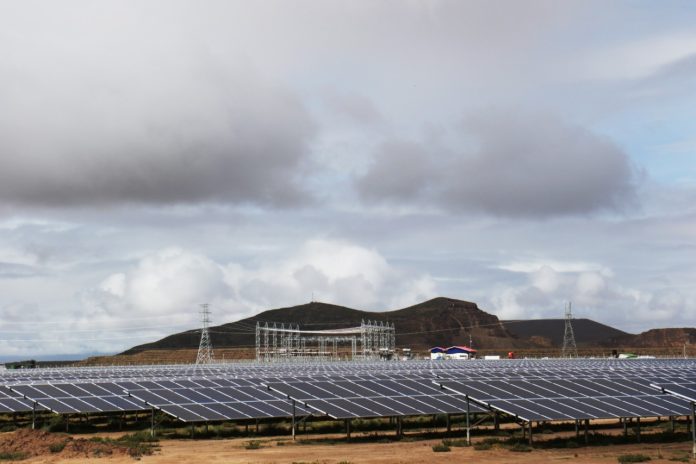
512,165
123,119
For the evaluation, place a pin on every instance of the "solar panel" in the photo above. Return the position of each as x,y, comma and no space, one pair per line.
543,389
346,399
204,400
686,391
570,399
66,398
14,402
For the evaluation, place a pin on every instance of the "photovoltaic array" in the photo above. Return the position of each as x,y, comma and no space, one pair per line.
528,390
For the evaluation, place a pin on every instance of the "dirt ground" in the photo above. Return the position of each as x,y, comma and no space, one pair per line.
283,450
27,443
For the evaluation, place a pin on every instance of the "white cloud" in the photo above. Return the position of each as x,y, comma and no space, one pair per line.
595,294
637,58
166,287
534,265
332,271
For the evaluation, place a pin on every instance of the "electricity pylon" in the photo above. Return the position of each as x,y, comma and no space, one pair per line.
205,349
570,349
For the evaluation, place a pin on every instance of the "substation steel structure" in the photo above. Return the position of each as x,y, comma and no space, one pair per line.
279,342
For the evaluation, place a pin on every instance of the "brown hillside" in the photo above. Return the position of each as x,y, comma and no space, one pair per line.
666,338
587,332
440,321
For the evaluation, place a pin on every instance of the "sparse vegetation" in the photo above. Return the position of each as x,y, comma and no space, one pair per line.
13,456
626,458
521,448
482,446
252,445
57,447
441,448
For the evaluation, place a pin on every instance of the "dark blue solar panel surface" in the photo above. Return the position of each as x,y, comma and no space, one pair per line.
536,389
571,398
203,400
345,399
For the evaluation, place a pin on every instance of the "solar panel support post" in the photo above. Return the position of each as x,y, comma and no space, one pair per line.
468,422
531,440
638,429
671,424
33,416
577,430
587,429
152,423
348,429
625,427
496,421
449,424
399,427
693,428
293,420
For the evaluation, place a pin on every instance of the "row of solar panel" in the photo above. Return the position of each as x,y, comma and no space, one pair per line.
380,392
489,369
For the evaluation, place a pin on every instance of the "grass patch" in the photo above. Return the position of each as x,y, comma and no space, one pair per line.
57,447
13,456
679,459
252,445
441,448
482,446
625,458
521,448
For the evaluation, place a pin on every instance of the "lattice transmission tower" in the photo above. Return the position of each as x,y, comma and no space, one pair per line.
570,349
205,349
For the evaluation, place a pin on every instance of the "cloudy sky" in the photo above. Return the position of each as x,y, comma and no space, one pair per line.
157,155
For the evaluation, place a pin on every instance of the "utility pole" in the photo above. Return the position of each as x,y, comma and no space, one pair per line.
570,349
205,349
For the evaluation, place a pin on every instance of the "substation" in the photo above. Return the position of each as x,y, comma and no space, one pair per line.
288,343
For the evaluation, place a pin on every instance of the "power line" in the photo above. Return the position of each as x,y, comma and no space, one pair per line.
71,321
117,329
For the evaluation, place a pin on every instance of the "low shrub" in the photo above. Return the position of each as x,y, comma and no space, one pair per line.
521,448
13,455
624,458
252,445
57,447
441,448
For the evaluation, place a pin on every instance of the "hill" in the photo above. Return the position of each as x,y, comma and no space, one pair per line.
550,331
673,338
440,321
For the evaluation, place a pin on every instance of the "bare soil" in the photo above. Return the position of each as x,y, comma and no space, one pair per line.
40,444
321,450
